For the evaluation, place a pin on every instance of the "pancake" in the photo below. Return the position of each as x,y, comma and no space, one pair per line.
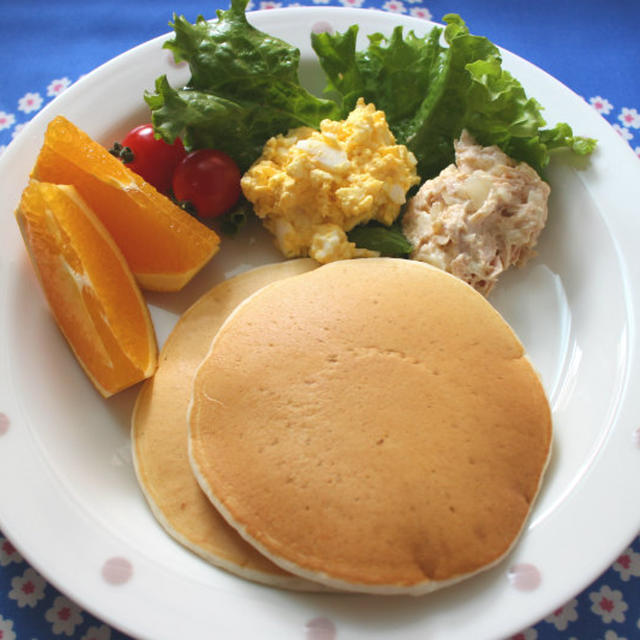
373,425
159,435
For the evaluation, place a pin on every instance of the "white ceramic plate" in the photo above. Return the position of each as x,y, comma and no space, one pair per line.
69,498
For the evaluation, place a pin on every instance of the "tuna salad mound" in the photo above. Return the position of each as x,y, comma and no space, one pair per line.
479,216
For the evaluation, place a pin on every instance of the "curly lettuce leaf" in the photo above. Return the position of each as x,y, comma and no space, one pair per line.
244,87
390,76
431,90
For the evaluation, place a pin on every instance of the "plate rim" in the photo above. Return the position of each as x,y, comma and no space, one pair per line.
262,19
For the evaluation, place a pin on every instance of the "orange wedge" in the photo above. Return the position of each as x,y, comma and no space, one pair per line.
164,246
89,286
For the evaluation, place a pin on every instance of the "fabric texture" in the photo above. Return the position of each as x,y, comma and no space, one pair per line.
591,46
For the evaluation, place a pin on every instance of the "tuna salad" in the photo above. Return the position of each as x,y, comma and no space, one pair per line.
479,216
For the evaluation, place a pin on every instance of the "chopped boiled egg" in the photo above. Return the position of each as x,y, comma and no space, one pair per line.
310,187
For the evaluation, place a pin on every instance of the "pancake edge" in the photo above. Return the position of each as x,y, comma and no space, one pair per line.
418,588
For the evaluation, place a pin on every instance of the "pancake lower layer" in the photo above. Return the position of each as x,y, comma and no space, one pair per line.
373,425
159,434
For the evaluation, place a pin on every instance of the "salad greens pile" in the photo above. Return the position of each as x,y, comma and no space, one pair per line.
431,92
245,88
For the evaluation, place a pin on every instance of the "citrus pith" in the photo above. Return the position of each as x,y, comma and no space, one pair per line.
90,289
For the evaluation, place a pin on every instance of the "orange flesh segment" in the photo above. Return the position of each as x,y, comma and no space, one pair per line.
89,287
164,246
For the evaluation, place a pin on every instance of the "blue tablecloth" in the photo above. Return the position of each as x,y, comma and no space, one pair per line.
591,46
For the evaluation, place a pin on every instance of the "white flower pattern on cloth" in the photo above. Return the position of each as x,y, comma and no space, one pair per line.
97,633
630,118
526,634
30,102
420,12
609,604
8,553
623,132
28,589
562,616
628,565
610,634
56,87
6,120
33,610
64,616
17,129
394,6
601,105
6,629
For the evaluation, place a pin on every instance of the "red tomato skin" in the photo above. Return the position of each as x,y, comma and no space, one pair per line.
209,180
153,159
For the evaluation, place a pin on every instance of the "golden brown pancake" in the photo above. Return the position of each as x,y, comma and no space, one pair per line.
373,425
159,434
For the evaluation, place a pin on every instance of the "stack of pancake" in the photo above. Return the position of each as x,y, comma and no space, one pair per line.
368,425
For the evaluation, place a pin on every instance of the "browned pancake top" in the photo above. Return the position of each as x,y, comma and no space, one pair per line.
372,424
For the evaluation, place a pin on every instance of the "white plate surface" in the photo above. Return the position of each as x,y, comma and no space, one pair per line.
69,498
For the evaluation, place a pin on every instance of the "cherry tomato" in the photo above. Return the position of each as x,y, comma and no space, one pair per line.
209,180
153,159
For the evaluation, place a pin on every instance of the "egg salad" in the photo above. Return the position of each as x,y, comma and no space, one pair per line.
310,187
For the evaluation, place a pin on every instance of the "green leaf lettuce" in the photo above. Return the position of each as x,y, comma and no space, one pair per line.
244,88
431,90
